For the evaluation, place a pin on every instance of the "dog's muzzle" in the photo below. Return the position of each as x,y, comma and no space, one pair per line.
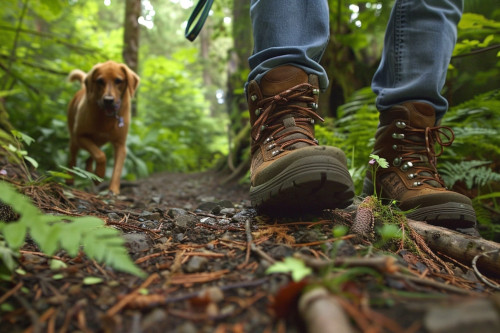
110,105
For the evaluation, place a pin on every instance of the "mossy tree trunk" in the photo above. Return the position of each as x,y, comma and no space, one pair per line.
239,137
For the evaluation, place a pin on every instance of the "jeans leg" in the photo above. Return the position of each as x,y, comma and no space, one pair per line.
293,32
418,44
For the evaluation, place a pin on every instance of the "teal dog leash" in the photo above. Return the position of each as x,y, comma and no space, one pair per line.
203,7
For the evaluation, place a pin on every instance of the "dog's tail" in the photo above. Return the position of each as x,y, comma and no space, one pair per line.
77,74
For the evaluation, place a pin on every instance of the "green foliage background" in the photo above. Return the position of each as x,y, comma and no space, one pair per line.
180,125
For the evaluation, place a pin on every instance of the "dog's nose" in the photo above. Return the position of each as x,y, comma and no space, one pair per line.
108,100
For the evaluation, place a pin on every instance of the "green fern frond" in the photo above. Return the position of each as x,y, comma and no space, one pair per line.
473,173
71,234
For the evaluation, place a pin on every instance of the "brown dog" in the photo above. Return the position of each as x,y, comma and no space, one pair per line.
100,113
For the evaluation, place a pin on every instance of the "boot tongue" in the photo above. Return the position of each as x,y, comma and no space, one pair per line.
282,78
277,81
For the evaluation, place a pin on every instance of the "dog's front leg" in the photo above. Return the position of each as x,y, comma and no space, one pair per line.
96,154
120,154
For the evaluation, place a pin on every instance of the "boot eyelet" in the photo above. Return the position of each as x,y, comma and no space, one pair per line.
411,175
269,139
316,141
258,111
253,98
311,121
398,136
406,166
415,184
395,147
315,91
275,152
271,146
400,124
263,128
313,106
397,161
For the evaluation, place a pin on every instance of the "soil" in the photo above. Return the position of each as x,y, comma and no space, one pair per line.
205,253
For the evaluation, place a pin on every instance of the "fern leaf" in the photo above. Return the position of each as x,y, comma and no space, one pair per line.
52,233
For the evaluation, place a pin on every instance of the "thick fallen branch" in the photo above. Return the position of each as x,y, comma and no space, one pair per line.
460,247
322,313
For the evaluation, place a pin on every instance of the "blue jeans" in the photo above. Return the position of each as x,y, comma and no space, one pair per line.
419,41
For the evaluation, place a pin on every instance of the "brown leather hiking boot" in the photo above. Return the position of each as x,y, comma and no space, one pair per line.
406,138
289,172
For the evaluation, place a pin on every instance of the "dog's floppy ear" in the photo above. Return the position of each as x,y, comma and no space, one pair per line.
132,79
89,79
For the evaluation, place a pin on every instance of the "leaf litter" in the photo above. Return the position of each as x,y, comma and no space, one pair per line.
207,256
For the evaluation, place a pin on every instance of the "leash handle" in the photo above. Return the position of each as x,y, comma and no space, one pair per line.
202,6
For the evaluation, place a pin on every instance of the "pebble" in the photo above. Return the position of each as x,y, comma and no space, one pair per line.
185,221
196,264
157,316
137,242
281,251
113,216
150,216
175,212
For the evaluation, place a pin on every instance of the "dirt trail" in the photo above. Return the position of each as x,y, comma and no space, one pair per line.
206,253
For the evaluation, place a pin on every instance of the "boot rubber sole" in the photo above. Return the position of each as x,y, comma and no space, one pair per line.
451,215
309,184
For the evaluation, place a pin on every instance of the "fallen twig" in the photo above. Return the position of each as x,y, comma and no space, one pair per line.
384,264
124,301
322,313
481,276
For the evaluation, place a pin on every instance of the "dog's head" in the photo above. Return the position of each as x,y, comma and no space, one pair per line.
109,83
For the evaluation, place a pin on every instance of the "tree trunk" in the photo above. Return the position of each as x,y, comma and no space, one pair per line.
235,96
131,40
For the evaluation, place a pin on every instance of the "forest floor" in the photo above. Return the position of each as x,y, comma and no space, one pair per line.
206,251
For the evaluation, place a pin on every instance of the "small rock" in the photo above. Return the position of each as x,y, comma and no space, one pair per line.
213,294
113,216
281,251
308,236
196,264
243,215
156,199
150,216
225,204
228,211
185,221
152,319
175,212
211,207
137,242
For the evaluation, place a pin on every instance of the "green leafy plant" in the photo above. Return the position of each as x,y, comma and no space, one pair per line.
52,233
377,162
19,154
296,267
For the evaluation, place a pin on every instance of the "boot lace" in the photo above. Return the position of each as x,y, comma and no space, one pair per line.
297,103
418,152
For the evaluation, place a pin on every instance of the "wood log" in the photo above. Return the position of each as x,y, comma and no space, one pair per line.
322,313
460,247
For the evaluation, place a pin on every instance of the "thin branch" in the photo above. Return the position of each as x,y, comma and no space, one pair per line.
474,52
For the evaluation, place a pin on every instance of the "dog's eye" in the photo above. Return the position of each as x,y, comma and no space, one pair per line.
100,81
118,81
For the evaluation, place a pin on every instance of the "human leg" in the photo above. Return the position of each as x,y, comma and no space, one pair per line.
290,172
419,40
